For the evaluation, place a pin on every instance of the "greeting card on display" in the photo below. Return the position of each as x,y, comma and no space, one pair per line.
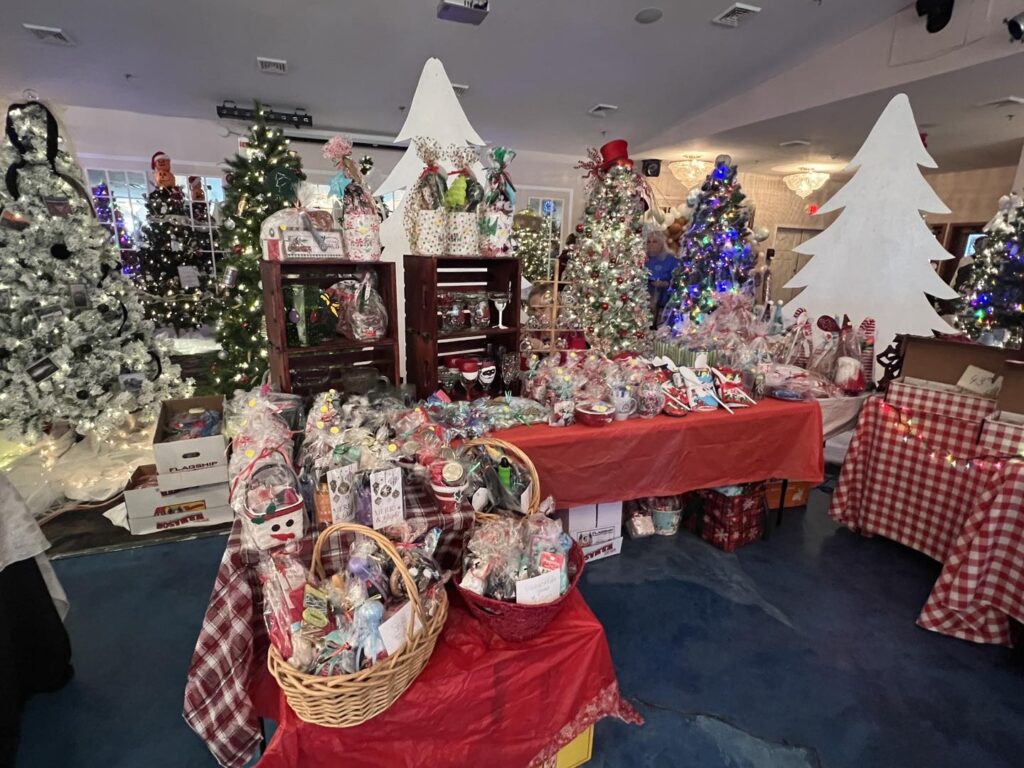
340,484
386,497
540,589
395,631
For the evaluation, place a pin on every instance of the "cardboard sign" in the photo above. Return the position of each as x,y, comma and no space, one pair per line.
340,484
386,502
59,207
395,631
188,277
539,590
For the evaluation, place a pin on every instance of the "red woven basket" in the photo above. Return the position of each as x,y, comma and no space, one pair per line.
514,622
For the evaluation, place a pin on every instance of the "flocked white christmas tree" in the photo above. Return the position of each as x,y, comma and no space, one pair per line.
434,113
875,259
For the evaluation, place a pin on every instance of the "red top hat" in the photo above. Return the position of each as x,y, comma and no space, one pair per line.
615,152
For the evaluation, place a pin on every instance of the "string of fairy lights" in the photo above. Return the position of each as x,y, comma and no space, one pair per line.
908,427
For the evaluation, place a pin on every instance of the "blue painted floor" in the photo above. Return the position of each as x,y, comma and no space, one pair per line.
796,652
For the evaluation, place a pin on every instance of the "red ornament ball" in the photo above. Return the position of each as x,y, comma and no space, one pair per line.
599,215
812,209
604,305
579,229
639,334
624,298
622,332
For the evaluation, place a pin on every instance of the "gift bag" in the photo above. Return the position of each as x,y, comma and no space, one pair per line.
425,218
360,219
363,317
430,233
496,214
461,235
361,232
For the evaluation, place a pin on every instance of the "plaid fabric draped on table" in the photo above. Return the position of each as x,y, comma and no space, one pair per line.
982,582
930,470
233,637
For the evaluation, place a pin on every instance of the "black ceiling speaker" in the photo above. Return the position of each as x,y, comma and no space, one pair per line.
651,167
939,12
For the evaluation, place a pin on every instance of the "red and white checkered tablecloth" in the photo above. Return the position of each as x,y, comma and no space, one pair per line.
901,487
233,637
981,586
971,519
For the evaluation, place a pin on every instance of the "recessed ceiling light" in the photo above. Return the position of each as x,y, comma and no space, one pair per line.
649,15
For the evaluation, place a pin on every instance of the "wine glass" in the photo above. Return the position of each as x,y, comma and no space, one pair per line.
509,369
500,301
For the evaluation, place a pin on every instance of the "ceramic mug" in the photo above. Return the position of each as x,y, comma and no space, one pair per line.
625,404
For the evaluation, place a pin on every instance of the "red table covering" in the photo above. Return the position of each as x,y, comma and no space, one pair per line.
665,456
480,701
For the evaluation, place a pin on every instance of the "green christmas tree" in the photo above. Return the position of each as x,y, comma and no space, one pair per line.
716,255
992,298
608,298
531,242
172,272
75,347
260,182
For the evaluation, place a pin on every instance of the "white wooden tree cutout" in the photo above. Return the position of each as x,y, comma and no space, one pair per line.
435,113
875,259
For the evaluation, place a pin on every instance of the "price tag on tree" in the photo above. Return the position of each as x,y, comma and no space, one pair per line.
386,503
188,277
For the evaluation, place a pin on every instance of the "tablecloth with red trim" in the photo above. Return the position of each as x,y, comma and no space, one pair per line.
480,701
664,456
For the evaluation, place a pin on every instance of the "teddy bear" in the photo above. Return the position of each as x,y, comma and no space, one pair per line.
161,165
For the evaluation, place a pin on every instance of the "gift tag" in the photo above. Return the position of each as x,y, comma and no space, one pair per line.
59,207
395,631
340,484
79,295
540,589
188,277
41,370
386,497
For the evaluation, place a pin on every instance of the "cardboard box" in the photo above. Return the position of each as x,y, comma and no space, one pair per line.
596,535
140,526
189,463
151,509
1011,396
593,523
601,551
944,361
796,494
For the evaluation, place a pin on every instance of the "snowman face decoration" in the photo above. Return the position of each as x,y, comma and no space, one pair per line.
283,527
488,374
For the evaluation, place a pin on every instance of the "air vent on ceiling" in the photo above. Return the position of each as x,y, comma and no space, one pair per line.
272,66
734,14
1005,101
794,143
52,35
459,88
602,110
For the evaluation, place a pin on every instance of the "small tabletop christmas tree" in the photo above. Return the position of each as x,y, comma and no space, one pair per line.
716,254
259,183
172,271
532,238
606,266
993,296
74,344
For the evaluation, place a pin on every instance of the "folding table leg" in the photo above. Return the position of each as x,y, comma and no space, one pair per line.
782,503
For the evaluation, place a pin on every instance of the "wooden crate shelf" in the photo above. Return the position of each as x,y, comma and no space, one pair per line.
425,345
308,369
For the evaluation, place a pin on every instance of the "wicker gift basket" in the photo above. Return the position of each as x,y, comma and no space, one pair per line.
342,701
511,621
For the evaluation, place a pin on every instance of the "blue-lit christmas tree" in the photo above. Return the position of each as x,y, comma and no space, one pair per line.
993,295
716,252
